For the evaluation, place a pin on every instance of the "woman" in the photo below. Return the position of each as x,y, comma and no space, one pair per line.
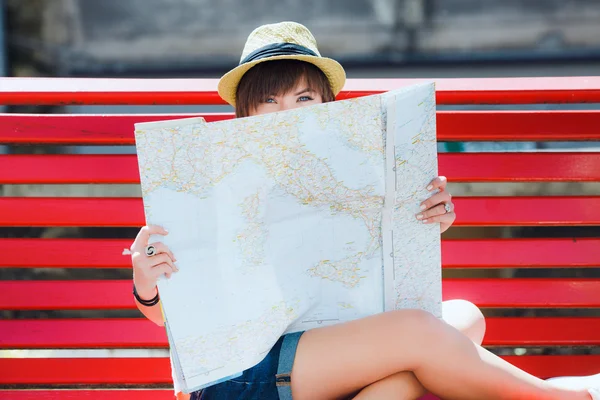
393,355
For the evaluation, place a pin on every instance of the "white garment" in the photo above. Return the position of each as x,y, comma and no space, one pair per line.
591,383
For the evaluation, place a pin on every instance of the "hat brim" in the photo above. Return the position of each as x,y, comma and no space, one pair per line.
332,69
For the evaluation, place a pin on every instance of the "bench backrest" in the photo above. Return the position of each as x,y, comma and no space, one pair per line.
21,329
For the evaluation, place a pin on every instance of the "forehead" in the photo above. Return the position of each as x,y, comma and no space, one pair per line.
301,84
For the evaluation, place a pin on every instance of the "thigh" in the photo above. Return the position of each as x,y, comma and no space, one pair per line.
461,314
337,361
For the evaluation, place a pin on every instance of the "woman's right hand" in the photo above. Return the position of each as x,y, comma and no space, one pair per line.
147,269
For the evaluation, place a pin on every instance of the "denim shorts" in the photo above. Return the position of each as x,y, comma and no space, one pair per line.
268,380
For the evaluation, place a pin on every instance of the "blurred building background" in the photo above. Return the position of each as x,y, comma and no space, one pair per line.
370,37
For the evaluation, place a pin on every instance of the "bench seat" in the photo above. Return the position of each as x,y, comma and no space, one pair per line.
37,312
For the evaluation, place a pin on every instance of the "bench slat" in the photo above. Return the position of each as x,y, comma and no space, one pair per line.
88,211
81,129
472,211
519,167
81,333
542,331
95,91
65,253
458,167
98,394
69,169
534,292
451,126
456,253
527,210
528,253
156,370
539,293
139,332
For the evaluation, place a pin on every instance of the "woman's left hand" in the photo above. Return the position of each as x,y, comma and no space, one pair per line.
439,207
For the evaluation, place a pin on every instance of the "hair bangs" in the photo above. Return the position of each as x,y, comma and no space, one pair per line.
276,78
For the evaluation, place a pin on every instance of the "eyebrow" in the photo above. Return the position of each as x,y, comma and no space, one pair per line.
307,90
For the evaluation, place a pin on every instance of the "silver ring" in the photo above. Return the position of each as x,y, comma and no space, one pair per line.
447,207
150,251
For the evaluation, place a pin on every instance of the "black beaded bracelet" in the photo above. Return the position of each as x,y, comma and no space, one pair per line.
148,303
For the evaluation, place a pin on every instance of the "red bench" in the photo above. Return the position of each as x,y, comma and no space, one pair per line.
99,378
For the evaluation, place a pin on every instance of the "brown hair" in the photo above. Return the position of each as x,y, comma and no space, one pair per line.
276,78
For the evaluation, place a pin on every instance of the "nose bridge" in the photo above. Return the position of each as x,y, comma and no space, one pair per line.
287,103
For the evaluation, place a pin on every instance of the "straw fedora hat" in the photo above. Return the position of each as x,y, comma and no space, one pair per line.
281,41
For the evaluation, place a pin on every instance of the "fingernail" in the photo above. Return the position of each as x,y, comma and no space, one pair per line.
424,221
419,216
429,187
423,206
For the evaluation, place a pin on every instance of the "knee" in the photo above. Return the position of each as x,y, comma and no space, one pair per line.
422,320
466,317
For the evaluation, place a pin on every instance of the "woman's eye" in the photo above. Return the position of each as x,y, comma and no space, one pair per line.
270,100
305,98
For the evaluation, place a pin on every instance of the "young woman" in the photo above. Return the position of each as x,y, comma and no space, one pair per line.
393,355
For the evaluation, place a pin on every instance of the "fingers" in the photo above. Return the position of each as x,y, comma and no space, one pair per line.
433,209
144,263
162,269
141,240
146,270
159,259
447,218
438,183
438,198
162,248
438,210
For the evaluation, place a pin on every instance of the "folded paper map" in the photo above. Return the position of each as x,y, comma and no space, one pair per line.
290,221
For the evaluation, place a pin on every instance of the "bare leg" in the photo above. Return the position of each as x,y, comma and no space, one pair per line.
336,361
461,314
400,386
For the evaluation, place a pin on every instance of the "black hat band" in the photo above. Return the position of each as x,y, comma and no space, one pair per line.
278,49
